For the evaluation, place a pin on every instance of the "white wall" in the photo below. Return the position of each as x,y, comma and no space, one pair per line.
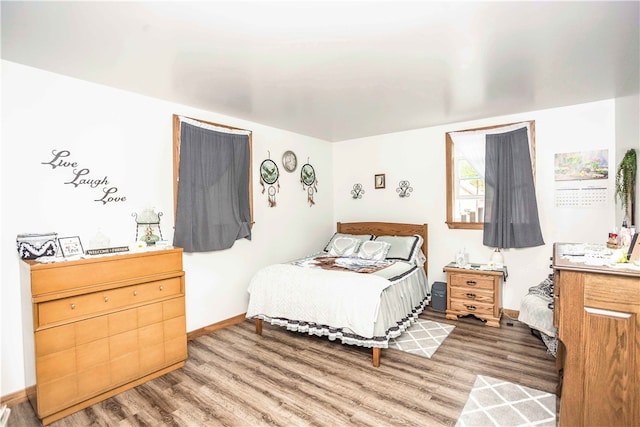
128,138
627,137
419,156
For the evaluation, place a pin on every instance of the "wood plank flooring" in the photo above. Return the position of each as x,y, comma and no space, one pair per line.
234,377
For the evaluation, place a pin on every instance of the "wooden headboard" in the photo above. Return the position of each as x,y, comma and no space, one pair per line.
389,229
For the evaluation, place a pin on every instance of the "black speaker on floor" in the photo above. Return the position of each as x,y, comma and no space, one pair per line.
439,296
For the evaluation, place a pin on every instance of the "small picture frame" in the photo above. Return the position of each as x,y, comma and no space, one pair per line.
633,256
379,181
70,246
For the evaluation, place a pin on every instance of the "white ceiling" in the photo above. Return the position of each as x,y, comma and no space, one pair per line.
339,70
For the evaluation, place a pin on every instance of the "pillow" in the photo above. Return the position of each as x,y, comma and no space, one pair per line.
403,248
372,250
344,246
360,237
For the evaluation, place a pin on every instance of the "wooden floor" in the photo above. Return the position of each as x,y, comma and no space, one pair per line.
236,378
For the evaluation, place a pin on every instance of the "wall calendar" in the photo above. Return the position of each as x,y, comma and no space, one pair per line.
580,197
581,179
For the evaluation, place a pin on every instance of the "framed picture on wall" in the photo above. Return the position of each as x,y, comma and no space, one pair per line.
70,246
379,180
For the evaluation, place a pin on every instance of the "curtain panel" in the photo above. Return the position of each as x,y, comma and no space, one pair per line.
511,210
213,209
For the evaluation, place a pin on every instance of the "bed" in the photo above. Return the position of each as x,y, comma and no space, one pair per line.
365,287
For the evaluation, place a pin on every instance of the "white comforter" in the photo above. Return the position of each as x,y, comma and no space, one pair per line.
336,298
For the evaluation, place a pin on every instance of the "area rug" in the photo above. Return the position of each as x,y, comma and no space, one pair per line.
422,338
494,402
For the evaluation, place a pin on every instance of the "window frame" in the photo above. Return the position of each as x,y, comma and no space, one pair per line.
176,160
451,170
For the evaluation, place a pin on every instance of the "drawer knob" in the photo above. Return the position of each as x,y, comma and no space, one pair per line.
73,306
470,295
470,307
106,299
161,288
471,282
135,293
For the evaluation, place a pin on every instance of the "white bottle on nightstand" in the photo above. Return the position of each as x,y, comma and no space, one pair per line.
461,258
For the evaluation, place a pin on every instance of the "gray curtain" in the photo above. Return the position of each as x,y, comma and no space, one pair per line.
511,210
213,190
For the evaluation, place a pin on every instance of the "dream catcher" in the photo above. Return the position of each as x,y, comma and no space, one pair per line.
269,180
309,182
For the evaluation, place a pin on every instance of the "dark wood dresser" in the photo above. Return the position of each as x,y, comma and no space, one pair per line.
597,313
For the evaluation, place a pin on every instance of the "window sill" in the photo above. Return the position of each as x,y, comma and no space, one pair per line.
465,225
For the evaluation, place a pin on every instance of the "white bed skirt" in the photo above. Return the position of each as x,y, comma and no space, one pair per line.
399,306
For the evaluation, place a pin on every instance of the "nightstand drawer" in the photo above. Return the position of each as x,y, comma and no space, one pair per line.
471,307
471,281
472,295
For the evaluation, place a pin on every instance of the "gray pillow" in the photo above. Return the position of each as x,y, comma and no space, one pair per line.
403,248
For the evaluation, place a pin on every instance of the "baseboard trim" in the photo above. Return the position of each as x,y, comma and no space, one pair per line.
215,326
15,398
511,313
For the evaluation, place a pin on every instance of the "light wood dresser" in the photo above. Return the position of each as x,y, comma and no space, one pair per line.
98,326
597,313
475,292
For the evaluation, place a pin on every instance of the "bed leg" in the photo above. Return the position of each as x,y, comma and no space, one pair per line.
259,326
376,356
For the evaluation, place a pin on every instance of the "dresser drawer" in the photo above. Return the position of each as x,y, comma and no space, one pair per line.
471,281
76,307
471,307
70,275
470,296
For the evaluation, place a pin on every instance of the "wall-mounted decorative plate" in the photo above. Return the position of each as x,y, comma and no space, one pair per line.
289,161
269,171
308,175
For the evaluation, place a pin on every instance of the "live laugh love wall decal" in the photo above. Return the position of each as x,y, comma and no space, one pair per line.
81,177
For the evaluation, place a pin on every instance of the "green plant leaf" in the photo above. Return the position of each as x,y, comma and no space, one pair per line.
626,179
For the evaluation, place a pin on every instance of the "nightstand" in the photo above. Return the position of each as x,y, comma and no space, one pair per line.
474,291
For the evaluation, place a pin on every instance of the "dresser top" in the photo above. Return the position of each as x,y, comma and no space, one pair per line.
591,258
56,262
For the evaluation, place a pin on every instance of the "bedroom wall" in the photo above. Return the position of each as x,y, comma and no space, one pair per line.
128,139
627,137
419,157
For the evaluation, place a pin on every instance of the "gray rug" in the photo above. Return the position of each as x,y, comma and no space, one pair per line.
494,402
422,338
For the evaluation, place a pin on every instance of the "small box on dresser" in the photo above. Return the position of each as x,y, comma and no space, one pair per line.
98,326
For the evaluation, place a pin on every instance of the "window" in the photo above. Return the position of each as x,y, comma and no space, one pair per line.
465,168
212,185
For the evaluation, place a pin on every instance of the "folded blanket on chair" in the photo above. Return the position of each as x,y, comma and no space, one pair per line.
544,289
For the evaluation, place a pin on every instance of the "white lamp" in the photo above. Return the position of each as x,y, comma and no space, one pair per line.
497,259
